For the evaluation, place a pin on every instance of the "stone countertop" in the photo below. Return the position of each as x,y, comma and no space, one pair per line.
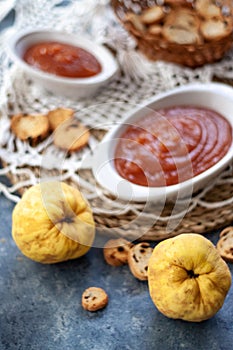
41,306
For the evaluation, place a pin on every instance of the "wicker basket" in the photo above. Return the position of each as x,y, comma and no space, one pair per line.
201,219
191,33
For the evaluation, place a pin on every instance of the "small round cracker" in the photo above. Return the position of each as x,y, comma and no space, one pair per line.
208,8
182,27
215,29
116,251
31,128
94,299
138,259
225,244
71,135
152,15
58,116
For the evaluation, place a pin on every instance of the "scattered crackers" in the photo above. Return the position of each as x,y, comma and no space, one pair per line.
31,128
138,259
116,251
58,116
71,135
68,133
225,244
94,299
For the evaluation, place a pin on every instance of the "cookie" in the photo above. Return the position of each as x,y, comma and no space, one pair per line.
58,116
71,135
182,18
208,8
94,299
138,259
181,36
155,29
225,244
31,128
215,29
116,251
182,27
152,15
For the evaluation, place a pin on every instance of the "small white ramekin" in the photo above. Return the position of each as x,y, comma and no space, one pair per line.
218,97
67,87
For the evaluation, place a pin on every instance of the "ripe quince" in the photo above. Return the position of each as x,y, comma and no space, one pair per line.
187,278
52,223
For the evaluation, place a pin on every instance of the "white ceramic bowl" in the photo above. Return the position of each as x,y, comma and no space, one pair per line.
217,97
68,87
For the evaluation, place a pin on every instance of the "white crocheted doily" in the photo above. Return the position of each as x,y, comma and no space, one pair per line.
96,20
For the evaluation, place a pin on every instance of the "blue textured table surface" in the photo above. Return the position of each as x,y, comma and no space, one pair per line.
40,305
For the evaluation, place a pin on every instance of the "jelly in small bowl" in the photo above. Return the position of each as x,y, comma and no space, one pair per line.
170,147
63,64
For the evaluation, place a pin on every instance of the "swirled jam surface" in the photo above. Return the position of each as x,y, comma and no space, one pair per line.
171,145
62,59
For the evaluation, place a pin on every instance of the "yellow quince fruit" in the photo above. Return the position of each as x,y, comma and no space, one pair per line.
187,278
52,223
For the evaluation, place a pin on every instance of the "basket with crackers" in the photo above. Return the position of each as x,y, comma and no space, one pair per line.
187,32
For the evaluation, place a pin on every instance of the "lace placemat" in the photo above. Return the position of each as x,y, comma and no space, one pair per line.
138,82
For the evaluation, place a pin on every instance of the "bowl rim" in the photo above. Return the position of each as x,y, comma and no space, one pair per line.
143,193
102,54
